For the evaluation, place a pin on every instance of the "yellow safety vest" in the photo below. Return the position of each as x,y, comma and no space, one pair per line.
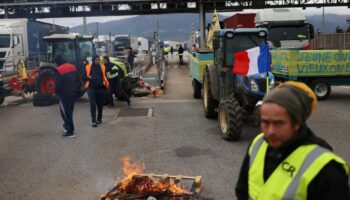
291,178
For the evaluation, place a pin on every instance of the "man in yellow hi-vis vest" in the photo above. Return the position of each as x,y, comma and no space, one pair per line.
287,160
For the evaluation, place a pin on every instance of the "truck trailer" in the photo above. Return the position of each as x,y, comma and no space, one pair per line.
246,20
143,45
320,69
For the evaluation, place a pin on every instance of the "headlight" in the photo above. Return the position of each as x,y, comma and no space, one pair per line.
253,86
262,33
272,83
229,34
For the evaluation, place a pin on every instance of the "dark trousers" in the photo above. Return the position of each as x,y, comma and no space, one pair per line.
115,87
96,97
66,110
181,59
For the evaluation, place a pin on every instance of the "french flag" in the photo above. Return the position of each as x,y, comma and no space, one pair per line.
252,61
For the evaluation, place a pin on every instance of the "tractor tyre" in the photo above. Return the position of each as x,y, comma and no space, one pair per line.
230,119
45,88
209,103
321,88
197,89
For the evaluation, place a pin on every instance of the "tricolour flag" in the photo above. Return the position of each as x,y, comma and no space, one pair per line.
252,61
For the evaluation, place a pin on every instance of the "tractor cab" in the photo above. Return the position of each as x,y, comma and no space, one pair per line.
226,43
74,48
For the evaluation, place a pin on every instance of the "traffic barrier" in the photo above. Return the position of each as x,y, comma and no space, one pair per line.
153,90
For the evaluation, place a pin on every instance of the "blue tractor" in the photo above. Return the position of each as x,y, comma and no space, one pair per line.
233,98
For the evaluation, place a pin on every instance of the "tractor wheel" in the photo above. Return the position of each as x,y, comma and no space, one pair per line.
209,103
45,88
321,88
230,119
197,89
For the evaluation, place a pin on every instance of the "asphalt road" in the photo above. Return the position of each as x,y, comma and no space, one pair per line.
174,137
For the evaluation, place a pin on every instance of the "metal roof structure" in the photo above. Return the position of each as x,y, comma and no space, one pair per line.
78,8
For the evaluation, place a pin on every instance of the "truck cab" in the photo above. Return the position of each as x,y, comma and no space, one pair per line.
288,28
234,96
11,49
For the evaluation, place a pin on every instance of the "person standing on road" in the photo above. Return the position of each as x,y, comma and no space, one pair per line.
287,160
171,51
67,85
113,74
96,83
130,58
180,51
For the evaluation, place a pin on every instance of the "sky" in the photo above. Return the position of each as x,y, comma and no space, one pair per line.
76,21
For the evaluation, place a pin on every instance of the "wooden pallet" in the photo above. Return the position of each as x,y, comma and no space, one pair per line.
191,183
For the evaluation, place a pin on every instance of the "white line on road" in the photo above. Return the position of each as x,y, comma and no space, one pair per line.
148,78
345,87
150,112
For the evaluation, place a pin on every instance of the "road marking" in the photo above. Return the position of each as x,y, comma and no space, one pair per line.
149,78
345,87
150,112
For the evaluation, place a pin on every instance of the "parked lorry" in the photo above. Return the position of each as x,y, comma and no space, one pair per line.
124,41
231,97
320,69
240,20
102,44
288,27
143,45
21,50
169,44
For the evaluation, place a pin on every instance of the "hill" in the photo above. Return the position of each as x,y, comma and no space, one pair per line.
178,26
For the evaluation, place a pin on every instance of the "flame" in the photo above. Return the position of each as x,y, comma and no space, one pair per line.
130,170
175,188
132,184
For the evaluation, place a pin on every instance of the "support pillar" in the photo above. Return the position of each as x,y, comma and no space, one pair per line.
202,25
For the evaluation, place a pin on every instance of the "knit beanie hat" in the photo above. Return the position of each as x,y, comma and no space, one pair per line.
299,100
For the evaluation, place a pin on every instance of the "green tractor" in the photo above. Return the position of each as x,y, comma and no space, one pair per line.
233,98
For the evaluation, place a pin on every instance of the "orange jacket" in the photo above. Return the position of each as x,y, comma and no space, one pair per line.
103,69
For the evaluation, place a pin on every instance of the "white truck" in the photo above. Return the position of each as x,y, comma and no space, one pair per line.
143,45
102,43
288,28
22,39
21,50
169,44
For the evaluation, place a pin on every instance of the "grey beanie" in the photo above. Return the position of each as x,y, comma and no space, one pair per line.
297,102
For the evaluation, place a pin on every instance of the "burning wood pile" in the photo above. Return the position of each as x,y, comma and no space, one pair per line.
138,186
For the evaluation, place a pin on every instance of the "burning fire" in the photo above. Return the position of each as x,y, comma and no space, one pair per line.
136,183
130,170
